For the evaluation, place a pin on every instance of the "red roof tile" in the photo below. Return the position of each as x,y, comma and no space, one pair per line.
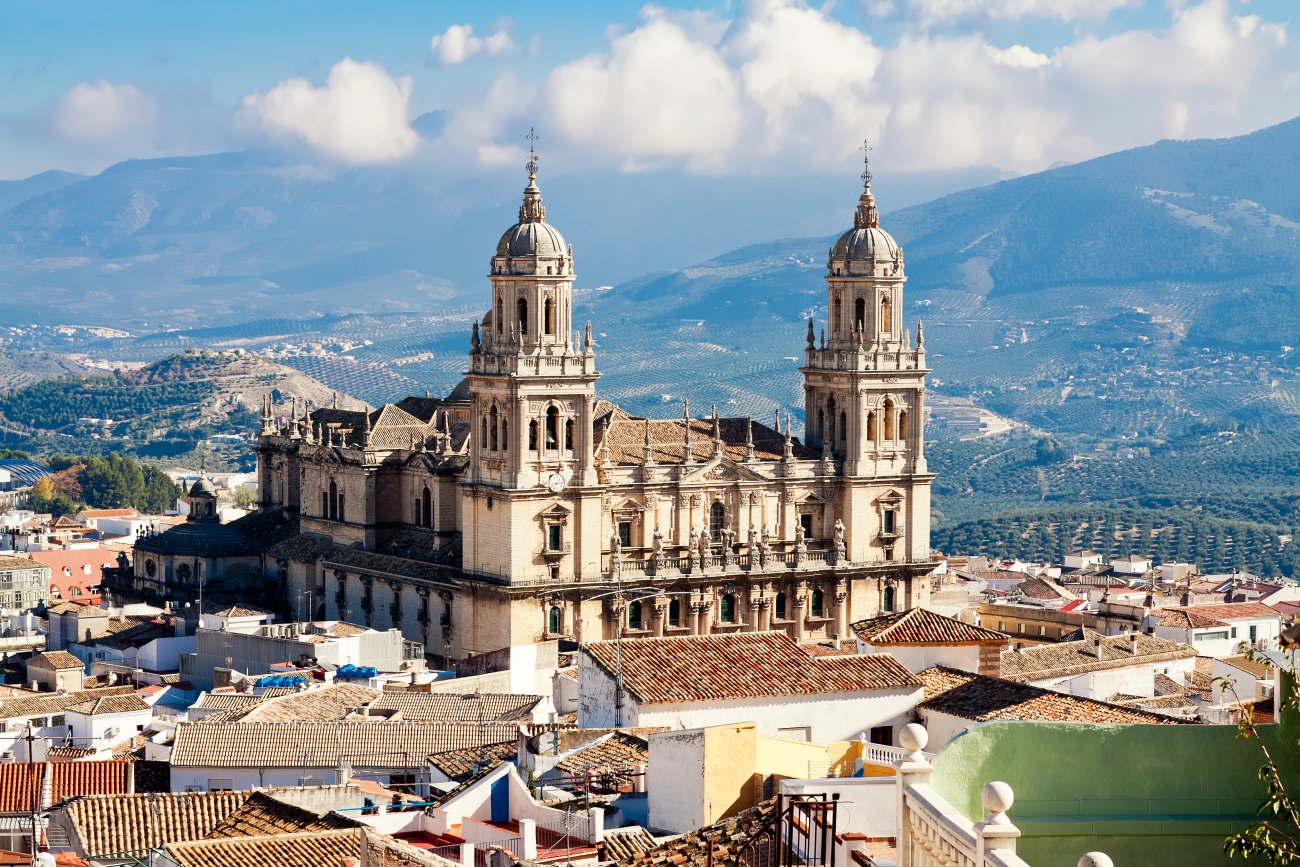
1202,616
741,665
922,626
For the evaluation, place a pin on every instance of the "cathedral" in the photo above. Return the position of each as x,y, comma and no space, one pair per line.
522,507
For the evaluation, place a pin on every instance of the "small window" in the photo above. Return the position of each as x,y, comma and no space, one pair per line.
860,314
492,428
554,538
1042,630
57,721
552,429
221,785
888,605
674,613
625,533
1254,632
889,522
1002,626
568,435
717,520
805,521
553,620
780,612
634,615
550,312
532,435
521,312
818,604
883,735
1233,632
727,608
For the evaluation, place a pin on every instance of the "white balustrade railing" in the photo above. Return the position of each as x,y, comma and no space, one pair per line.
933,833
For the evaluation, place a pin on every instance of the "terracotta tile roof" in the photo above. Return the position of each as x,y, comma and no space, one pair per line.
623,843
1076,657
619,751
324,703
227,700
107,824
13,561
262,815
923,626
1202,616
979,698
71,779
46,703
56,660
314,849
741,665
718,844
451,706
1261,670
239,611
54,753
108,513
1040,588
20,786
460,765
668,440
110,704
316,744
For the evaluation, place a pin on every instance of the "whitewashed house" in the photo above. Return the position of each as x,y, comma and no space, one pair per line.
1100,666
1219,630
920,638
761,677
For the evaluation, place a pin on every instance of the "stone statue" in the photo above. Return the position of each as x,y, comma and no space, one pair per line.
728,546
657,551
705,551
800,546
692,552
616,543
841,548
753,547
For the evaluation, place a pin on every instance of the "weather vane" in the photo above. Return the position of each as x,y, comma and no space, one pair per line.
532,153
866,160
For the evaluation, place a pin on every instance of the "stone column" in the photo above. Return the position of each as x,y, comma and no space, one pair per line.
842,609
660,617
800,611
913,770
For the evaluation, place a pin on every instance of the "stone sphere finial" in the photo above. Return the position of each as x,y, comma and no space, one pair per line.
913,737
997,797
1096,859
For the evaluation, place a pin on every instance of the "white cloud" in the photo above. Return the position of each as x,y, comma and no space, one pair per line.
102,111
458,44
784,85
929,12
358,116
656,93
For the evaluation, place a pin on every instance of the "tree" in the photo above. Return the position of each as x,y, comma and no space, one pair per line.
244,497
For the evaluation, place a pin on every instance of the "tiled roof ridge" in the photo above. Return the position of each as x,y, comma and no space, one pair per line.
926,626
1015,663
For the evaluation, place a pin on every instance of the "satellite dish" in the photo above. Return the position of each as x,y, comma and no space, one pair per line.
45,859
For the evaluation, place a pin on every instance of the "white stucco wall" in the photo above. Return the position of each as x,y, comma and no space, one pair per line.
1130,680
675,780
942,728
919,657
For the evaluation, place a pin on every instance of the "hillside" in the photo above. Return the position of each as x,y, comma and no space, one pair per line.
162,410
219,239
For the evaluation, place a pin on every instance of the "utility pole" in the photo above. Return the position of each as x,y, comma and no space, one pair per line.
37,788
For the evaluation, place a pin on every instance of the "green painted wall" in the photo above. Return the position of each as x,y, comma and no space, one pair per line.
1145,795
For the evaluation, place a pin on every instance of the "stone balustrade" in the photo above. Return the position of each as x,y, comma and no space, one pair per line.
933,833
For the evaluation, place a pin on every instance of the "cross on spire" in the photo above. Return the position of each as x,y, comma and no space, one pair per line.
533,158
866,161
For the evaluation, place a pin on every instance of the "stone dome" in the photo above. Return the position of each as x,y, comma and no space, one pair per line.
867,242
524,240
532,235
202,488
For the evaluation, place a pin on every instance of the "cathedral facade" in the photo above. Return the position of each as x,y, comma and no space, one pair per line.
522,507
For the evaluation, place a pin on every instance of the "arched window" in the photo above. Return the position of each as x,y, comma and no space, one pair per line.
818,603
717,520
727,608
333,501
888,432
780,612
532,435
552,429
568,435
829,433
505,434
871,426
553,620
324,504
835,320
844,427
415,510
634,615
860,314
549,315
183,572
902,424
492,428
521,313
499,316
342,516
674,613
482,432
888,604
426,513
886,315
821,423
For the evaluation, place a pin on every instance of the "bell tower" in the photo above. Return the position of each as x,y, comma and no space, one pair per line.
864,388
532,390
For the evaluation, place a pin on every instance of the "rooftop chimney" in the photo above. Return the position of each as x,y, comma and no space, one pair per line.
1133,643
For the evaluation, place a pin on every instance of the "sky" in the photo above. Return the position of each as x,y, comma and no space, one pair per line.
746,87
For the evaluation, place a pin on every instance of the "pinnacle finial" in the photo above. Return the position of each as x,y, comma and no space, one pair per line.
533,158
866,216
920,334
532,210
336,400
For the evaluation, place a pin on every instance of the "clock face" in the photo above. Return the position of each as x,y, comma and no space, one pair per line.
555,483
